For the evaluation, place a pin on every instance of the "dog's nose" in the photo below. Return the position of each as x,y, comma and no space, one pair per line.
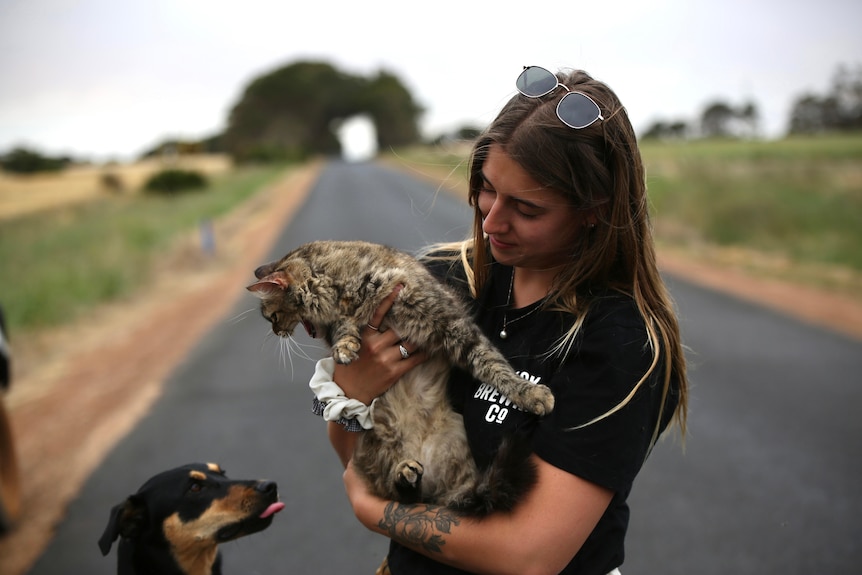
267,486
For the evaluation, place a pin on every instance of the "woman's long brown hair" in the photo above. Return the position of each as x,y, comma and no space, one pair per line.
597,168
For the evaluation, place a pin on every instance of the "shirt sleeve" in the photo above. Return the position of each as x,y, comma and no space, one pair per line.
610,358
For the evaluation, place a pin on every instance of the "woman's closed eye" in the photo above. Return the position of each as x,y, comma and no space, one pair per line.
488,197
527,209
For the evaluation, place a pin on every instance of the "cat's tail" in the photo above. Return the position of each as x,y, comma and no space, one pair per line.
504,482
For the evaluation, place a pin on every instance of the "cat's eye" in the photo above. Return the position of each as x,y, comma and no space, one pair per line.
273,317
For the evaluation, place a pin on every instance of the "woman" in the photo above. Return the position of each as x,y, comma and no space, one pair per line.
563,275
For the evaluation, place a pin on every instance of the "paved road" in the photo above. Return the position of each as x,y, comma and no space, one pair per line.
769,482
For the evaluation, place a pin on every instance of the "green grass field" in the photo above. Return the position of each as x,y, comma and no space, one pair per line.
798,201
794,201
54,265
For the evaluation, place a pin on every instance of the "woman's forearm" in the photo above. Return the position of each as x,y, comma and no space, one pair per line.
539,536
342,441
445,536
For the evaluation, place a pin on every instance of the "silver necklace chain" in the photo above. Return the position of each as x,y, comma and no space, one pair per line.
503,333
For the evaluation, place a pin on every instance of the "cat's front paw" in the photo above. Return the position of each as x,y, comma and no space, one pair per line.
345,351
539,399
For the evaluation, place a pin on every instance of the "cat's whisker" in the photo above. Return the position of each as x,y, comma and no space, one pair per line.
301,348
279,346
267,338
288,347
284,353
240,316
292,347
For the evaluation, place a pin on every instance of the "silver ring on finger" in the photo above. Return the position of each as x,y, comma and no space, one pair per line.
404,353
369,326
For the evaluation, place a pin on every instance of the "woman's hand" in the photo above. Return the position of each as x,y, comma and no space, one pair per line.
380,363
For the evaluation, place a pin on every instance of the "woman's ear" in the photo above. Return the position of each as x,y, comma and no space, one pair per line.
591,219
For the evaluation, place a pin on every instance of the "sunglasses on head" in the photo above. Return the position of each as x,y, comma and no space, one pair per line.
575,109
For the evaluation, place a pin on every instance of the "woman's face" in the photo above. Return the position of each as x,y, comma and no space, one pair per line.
528,225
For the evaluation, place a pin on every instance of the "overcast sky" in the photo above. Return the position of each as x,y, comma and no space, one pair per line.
109,78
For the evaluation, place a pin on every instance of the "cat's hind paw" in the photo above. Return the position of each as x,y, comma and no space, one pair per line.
408,476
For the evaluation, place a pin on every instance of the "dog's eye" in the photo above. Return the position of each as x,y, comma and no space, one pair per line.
196,486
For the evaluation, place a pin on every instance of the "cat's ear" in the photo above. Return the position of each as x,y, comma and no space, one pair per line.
272,284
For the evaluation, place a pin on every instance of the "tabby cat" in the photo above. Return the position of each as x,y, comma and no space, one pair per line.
417,450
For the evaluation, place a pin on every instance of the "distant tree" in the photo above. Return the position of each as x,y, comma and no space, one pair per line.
847,92
173,181
465,133
284,114
468,132
26,161
393,111
213,144
808,115
662,130
678,129
656,131
749,119
175,148
721,120
838,110
716,120
292,112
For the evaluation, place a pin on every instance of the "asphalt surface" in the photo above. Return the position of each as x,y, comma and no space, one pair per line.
769,481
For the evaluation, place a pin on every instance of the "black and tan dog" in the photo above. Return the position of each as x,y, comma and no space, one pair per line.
174,523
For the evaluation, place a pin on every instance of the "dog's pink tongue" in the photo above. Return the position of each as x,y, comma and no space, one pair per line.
272,509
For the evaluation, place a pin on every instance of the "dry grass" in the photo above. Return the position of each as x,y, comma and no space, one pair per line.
24,194
822,292
96,371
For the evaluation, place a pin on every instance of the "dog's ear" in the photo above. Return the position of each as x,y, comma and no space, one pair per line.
128,519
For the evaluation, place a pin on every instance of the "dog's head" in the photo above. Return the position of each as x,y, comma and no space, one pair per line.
189,510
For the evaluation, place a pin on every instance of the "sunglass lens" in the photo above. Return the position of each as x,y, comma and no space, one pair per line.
577,110
535,82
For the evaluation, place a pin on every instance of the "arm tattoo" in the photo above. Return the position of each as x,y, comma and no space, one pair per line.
420,526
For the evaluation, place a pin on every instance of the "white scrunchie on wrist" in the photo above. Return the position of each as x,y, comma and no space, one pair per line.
337,405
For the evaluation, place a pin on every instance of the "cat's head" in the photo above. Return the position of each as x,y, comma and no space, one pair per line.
290,294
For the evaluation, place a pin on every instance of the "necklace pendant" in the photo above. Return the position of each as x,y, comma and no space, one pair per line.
503,334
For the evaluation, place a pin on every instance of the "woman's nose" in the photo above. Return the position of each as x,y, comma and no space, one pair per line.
494,221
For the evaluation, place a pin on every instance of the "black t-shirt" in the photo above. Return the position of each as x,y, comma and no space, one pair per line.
608,358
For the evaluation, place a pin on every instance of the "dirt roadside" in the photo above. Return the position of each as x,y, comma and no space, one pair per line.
77,393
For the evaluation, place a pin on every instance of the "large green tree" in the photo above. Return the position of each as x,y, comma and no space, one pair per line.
293,112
